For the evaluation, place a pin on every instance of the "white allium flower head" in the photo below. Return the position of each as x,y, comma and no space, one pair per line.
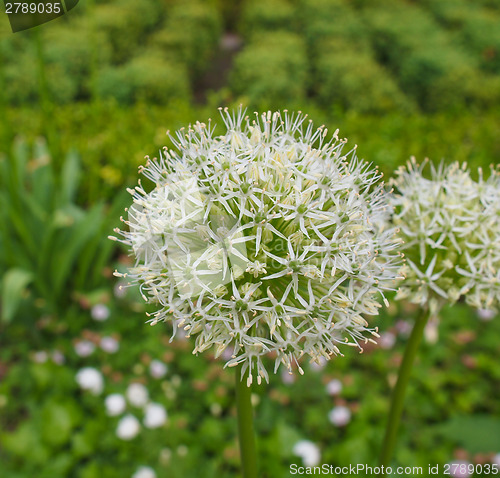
90,379
308,451
137,395
266,239
115,404
144,472
340,416
155,415
496,459
451,231
128,427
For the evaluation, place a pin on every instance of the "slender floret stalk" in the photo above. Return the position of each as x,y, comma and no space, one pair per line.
269,239
399,392
246,433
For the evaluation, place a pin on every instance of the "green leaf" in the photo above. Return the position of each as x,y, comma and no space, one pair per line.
70,177
14,284
18,162
25,441
58,421
68,252
475,433
288,437
41,182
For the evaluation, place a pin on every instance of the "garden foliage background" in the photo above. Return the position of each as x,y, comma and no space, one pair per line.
84,98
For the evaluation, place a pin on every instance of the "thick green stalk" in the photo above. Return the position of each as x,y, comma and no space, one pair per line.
398,395
246,432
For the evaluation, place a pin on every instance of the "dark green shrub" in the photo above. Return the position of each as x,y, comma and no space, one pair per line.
476,28
149,77
260,16
481,34
191,33
353,80
398,30
422,56
21,79
452,13
463,87
272,70
323,19
126,24
69,54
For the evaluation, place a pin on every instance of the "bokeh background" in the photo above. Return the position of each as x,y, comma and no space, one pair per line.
85,97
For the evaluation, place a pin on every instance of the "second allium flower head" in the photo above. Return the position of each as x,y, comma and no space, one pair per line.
266,239
450,225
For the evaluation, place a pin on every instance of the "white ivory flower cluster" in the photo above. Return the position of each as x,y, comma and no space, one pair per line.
268,239
451,228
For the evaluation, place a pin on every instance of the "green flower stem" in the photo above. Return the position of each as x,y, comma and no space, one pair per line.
398,394
245,425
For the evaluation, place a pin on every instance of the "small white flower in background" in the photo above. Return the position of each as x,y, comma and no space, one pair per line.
109,344
58,357
334,387
155,415
461,468
119,289
340,416
387,340
165,456
182,450
176,381
485,314
100,312
137,394
40,356
269,238
128,427
157,369
404,327
319,364
115,404
90,379
431,331
496,459
84,348
287,378
308,451
144,472
451,232
215,409
227,353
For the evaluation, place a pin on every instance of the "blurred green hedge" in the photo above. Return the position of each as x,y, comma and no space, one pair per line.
148,77
263,16
272,70
429,67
